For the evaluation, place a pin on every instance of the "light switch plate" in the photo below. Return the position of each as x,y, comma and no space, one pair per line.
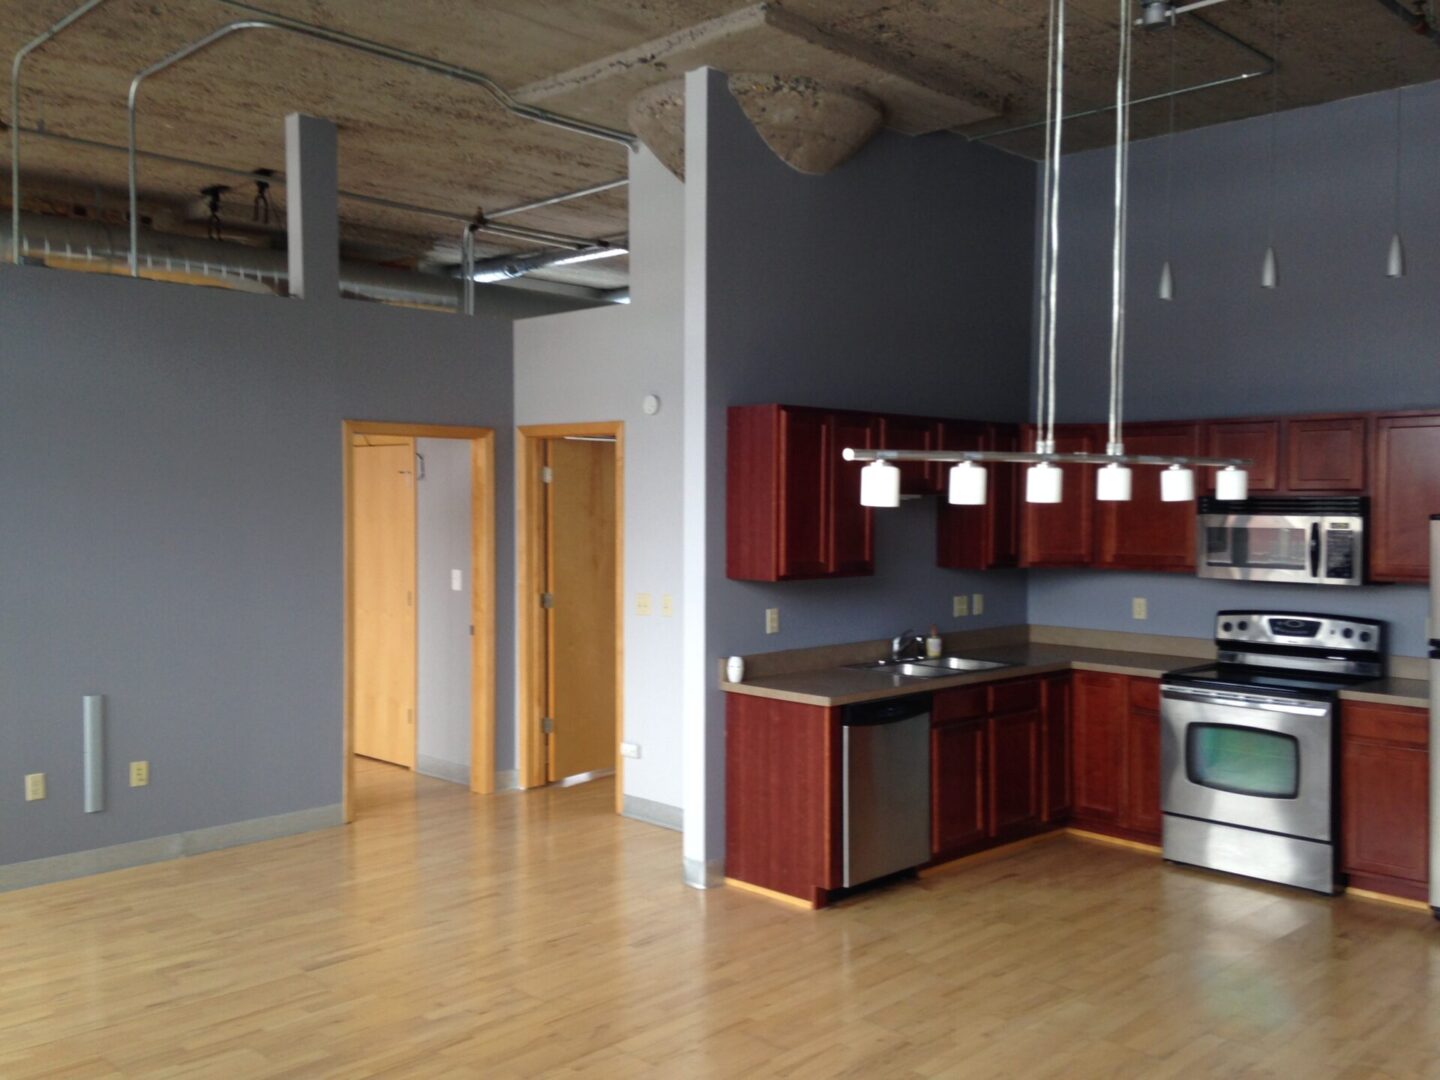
772,620
34,786
667,605
139,773
457,581
960,606
977,604
1140,608
630,749
642,603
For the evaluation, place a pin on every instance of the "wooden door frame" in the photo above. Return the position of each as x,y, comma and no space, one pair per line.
482,594
530,558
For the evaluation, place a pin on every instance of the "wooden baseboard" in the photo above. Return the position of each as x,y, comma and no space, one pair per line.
1114,841
770,894
1387,898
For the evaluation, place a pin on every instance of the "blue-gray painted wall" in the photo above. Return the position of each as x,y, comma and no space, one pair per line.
1336,335
172,538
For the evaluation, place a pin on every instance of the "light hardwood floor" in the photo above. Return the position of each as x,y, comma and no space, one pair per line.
453,935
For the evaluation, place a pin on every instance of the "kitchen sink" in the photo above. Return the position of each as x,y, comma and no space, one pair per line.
937,668
963,663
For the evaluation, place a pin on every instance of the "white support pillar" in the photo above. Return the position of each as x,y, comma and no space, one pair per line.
312,207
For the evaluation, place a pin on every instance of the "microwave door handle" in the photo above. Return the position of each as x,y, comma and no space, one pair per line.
1315,549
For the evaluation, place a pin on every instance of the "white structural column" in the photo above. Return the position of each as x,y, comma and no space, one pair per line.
312,207
703,725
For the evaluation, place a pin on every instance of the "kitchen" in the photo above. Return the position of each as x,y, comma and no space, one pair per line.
1226,367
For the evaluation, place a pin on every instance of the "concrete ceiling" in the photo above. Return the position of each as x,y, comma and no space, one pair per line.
975,66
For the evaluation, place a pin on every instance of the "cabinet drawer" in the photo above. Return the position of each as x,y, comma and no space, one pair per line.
1015,696
962,703
1385,723
1145,694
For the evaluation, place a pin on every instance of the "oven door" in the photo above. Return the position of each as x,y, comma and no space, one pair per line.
1260,547
1248,760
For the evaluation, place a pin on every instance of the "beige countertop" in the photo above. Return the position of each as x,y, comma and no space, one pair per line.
832,686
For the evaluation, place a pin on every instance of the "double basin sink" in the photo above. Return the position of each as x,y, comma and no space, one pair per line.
935,668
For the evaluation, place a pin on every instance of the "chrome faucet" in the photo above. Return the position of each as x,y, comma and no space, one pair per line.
903,643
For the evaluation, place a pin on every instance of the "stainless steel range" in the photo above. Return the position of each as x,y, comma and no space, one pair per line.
1248,745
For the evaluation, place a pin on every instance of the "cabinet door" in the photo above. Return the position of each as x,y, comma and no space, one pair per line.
957,769
1005,498
1325,453
979,537
1142,775
805,472
1258,440
851,549
1147,533
1055,747
1406,493
1098,722
1386,791
1062,534
1014,774
913,433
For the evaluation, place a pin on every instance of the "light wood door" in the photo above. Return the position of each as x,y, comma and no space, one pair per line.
580,522
383,480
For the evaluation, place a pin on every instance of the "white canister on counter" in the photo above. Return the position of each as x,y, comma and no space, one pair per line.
735,669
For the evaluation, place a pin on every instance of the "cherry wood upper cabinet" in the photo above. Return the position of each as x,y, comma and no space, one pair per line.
1325,454
792,503
913,433
1257,440
1147,533
1406,493
1062,534
980,537
1385,792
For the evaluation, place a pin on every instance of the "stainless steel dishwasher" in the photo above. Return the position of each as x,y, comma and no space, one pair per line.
885,787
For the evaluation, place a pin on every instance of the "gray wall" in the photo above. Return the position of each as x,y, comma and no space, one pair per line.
900,281
599,365
171,460
1337,333
443,519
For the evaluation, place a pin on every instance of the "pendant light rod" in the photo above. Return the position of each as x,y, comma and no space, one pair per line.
1116,443
1025,457
1055,125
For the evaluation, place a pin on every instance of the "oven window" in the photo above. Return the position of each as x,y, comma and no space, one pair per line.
1243,760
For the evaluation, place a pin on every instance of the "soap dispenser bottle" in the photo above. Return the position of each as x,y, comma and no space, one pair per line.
933,644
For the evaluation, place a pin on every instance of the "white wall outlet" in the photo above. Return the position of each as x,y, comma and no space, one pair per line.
667,605
457,581
772,620
1139,608
630,749
977,604
34,786
139,773
642,603
960,605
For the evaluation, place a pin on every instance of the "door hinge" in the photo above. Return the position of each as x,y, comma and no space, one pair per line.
472,629
547,725
547,475
547,600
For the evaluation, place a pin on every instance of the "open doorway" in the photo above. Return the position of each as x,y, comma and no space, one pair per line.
419,602
570,536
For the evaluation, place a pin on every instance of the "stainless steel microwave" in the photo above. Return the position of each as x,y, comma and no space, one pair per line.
1314,541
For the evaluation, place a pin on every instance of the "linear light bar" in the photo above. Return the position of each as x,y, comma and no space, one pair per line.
1034,458
591,255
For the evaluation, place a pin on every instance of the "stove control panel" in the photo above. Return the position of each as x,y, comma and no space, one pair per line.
1300,629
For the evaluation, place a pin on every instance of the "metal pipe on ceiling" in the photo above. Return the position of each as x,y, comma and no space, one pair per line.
593,189
1419,23
1269,68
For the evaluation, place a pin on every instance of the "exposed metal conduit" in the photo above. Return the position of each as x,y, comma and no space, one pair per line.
1420,24
1269,68
594,189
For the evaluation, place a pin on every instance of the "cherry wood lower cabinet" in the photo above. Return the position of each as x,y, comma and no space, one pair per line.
1116,724
1384,798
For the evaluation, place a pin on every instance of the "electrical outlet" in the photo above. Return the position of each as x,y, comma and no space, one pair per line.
139,773
642,603
772,620
457,581
1139,608
34,786
630,749
667,605
977,604
960,605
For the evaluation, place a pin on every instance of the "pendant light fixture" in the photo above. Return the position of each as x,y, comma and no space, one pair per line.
1269,268
1167,275
1395,265
1113,483
1045,479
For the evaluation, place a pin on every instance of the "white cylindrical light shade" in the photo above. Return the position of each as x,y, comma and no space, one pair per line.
967,484
880,484
1113,483
1044,483
1232,484
1177,484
